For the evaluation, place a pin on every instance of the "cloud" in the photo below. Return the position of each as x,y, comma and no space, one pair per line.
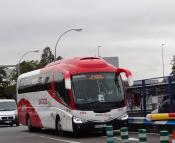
133,30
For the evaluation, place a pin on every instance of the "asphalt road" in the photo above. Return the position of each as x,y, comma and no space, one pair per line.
21,135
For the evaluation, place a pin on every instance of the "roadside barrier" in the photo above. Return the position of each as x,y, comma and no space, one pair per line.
110,134
172,140
124,134
164,135
142,136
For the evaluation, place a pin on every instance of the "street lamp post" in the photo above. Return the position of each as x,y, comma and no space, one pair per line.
163,59
98,48
78,30
23,57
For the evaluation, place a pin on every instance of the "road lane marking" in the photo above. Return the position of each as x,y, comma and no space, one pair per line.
130,139
68,141
146,133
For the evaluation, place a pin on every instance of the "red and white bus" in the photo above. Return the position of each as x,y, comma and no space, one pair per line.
78,94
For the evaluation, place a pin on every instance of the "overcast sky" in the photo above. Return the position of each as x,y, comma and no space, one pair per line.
131,29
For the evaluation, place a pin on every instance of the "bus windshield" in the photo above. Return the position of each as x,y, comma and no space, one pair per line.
97,88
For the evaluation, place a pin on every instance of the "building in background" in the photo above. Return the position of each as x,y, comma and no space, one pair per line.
112,60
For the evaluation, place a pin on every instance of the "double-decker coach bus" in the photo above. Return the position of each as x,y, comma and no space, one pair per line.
78,94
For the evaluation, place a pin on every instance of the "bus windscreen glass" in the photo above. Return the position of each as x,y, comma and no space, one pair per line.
97,88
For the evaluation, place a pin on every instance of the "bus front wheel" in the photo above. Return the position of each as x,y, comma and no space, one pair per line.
58,126
30,127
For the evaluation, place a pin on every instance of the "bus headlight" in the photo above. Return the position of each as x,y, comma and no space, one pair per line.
123,117
78,120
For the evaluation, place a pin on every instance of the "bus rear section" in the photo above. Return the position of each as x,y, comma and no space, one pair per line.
79,94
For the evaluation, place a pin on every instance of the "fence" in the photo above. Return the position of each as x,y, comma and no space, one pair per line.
150,95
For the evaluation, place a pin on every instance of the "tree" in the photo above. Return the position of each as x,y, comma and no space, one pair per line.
10,92
46,57
25,66
3,82
173,68
59,58
8,84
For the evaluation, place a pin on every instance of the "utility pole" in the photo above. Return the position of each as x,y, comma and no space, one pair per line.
162,46
98,50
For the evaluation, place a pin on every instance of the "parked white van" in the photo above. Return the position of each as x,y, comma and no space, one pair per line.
8,112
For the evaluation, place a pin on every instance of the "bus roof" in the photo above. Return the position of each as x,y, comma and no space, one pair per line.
74,66
27,74
81,65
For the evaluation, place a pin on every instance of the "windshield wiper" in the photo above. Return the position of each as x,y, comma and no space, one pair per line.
94,102
89,102
97,101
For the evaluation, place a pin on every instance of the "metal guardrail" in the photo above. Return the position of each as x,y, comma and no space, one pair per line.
148,97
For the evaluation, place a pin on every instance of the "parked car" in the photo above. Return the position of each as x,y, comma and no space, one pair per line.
166,106
8,112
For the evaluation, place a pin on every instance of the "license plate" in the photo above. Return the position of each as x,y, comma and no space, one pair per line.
100,126
7,122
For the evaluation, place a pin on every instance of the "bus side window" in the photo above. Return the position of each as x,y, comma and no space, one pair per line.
47,83
61,91
25,87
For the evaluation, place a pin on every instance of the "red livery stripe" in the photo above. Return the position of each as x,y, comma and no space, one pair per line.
24,108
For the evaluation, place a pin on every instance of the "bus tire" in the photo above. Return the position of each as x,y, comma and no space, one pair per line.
58,126
30,127
17,124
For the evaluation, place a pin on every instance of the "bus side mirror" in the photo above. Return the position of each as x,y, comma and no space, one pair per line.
128,74
67,80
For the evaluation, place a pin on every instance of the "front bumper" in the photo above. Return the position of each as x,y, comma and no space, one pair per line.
94,126
9,121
